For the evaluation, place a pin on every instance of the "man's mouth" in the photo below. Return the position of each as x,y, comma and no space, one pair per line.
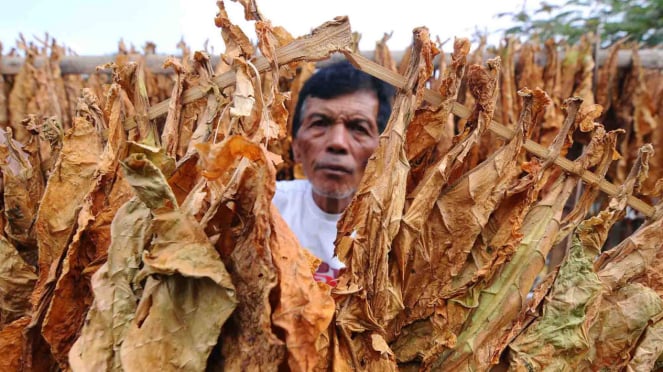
333,168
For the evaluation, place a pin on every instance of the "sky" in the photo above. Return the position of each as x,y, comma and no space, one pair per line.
94,27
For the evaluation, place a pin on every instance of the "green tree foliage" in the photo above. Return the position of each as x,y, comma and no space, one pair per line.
640,20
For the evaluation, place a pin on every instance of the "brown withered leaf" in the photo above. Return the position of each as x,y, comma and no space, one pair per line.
271,102
528,74
484,84
198,116
4,105
607,77
553,117
481,337
170,135
23,187
430,133
508,85
649,348
461,211
115,293
241,187
501,234
22,98
236,42
243,98
58,210
367,298
585,80
587,116
646,125
72,294
10,347
305,308
17,279
382,54
634,256
251,12
446,268
600,151
622,318
567,335
188,293
484,335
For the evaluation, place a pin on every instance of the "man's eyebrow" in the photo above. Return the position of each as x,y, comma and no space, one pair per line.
318,115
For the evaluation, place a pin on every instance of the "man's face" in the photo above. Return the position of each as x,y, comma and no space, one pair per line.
335,139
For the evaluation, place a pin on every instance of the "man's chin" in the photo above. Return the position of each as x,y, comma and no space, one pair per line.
334,192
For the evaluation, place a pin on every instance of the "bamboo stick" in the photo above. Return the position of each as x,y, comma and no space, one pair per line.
77,65
332,36
567,165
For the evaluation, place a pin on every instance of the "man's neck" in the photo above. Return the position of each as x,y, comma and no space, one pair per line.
331,205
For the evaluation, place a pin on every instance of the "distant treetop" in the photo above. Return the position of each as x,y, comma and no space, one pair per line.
640,20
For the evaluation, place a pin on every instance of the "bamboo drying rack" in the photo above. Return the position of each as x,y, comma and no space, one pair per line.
320,45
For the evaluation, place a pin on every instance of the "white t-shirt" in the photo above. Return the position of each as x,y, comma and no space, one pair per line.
315,229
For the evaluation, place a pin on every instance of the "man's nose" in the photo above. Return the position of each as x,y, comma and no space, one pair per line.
338,140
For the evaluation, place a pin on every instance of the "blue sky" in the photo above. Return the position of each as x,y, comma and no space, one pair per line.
94,27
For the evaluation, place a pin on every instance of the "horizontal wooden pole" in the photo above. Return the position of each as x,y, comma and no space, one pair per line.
78,65
331,37
532,147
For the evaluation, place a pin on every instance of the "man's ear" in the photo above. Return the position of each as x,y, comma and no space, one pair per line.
296,151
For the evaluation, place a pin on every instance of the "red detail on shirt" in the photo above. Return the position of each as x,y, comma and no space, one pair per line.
326,274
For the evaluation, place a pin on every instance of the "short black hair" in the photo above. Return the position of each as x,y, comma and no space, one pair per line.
342,78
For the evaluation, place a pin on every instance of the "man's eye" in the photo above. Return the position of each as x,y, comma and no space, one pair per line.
359,126
318,123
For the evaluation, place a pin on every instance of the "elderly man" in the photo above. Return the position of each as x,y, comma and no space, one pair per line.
337,121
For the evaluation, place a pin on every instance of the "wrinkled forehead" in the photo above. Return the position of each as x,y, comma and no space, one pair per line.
361,103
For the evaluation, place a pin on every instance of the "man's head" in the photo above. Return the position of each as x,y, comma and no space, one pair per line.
338,119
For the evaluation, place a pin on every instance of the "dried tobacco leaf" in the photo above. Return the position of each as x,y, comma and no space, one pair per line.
566,336
436,265
606,79
553,117
646,125
367,298
305,308
170,135
236,42
72,294
585,80
622,318
483,83
649,349
241,184
198,116
430,133
22,98
10,347
382,55
17,279
461,211
558,340
23,187
486,331
64,193
188,294
115,292
4,92
501,234
508,85
527,72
